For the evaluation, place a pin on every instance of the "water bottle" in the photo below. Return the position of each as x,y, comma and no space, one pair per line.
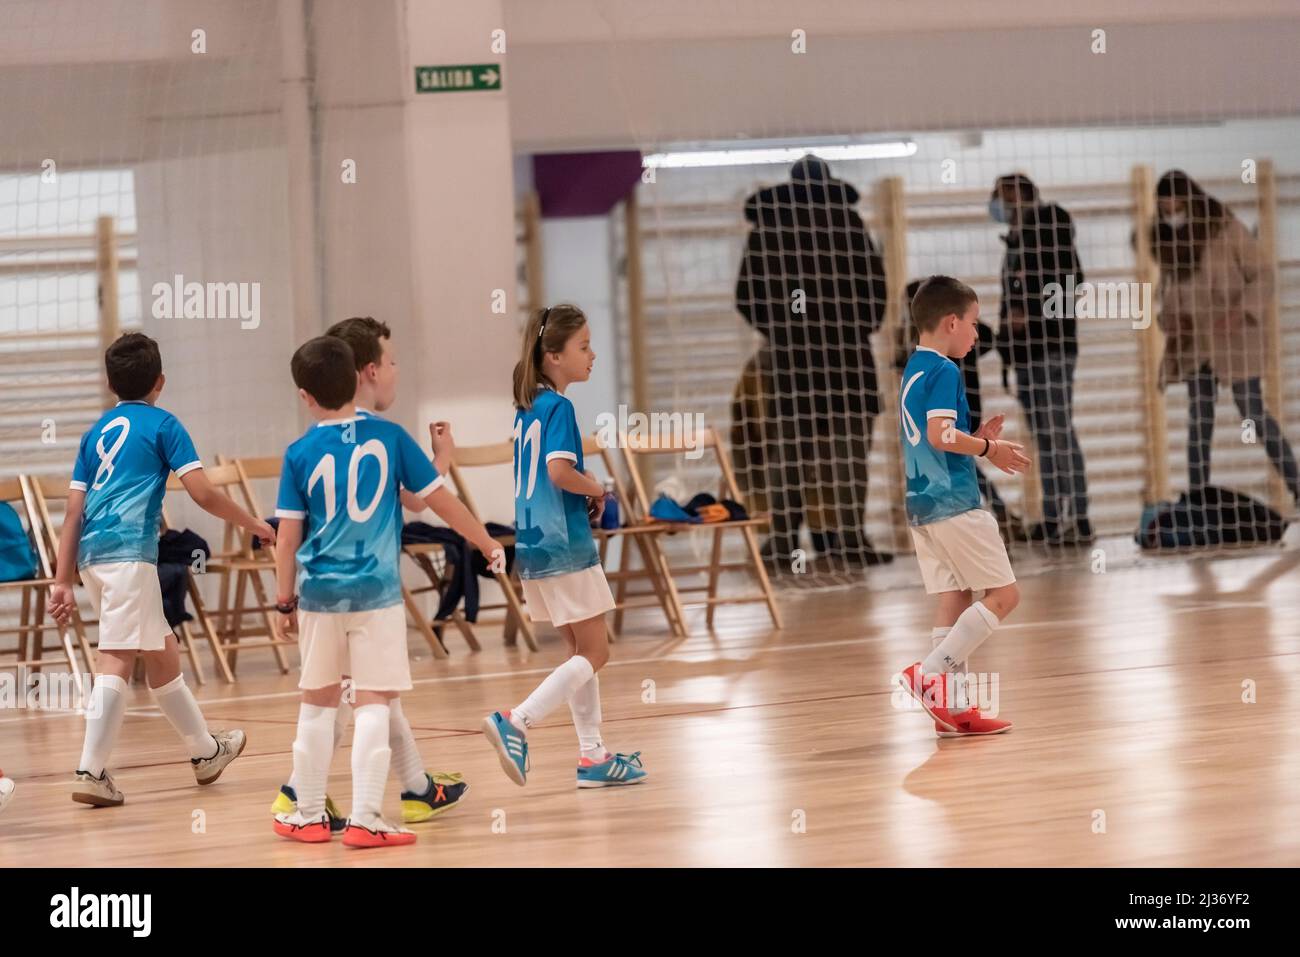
610,519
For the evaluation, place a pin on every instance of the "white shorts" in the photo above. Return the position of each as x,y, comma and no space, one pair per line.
962,552
564,599
128,600
368,645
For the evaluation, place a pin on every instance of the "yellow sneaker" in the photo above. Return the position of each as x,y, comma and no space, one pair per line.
441,793
286,802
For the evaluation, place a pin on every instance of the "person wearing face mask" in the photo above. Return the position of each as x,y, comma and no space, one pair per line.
1214,289
1042,350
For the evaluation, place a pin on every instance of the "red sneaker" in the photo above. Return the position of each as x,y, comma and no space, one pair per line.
931,691
298,828
971,722
382,835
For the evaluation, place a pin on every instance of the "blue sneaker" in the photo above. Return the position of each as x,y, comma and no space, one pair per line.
511,745
617,769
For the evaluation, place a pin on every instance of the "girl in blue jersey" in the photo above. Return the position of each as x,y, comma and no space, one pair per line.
555,500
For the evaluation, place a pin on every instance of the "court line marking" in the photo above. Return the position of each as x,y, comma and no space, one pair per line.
681,657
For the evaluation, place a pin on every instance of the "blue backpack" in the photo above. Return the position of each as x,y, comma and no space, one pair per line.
17,557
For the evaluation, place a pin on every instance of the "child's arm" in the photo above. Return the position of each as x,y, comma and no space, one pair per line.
453,511
944,435
62,600
444,452
217,503
286,569
564,475
412,502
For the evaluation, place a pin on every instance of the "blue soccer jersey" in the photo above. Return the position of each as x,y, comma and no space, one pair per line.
342,478
552,530
122,467
939,484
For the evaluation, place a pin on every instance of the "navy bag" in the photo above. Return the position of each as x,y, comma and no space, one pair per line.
1209,517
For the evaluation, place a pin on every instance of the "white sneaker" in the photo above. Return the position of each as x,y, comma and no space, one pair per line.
230,745
6,791
99,791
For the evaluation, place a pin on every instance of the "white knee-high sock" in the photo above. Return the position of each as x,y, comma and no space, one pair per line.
971,630
370,757
342,715
312,749
585,706
960,697
406,763
557,688
104,714
176,701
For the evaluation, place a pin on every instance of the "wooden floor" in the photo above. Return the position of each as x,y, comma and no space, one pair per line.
783,749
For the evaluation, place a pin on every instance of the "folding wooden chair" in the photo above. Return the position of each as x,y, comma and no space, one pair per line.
240,568
431,559
634,448
635,532
501,453
23,495
188,640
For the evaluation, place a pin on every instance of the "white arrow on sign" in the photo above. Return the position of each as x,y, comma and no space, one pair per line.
490,77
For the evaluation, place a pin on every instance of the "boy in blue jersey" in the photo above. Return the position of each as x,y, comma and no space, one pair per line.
110,535
425,794
340,527
958,545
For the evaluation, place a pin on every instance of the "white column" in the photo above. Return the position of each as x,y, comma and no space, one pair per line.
462,233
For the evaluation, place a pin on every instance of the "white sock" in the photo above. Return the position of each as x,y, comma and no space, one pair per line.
406,763
342,716
370,757
176,701
557,688
104,714
585,706
937,635
312,750
971,630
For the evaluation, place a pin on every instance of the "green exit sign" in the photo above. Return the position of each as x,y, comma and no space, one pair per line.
455,79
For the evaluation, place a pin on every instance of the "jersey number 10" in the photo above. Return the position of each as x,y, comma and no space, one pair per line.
324,472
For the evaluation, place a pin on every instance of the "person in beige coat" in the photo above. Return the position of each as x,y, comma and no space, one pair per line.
1214,292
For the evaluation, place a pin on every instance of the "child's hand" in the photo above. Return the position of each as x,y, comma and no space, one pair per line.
595,508
265,532
61,604
440,436
991,428
1008,456
496,555
289,624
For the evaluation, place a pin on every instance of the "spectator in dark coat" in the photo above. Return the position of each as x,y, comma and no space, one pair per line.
813,284
1043,349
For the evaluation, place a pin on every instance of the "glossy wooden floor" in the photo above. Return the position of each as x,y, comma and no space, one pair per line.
1126,689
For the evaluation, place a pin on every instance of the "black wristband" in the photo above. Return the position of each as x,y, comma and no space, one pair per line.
986,448
288,607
